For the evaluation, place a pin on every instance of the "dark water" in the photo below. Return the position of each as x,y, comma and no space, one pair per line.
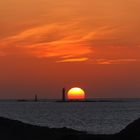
94,117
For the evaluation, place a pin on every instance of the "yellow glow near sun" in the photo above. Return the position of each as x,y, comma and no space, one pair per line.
76,93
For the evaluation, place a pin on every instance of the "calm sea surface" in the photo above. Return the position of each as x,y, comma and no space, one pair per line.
94,117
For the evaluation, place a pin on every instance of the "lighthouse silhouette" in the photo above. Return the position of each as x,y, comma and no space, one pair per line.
64,94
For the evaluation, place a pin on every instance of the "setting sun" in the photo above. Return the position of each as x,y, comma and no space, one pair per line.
76,94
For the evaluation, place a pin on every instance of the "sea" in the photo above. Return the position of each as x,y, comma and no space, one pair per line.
97,117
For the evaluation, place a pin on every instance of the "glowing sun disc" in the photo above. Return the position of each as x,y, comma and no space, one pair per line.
76,94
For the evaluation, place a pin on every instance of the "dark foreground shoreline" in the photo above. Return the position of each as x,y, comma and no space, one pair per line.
16,130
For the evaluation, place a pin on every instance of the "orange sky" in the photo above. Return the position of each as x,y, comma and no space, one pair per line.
48,44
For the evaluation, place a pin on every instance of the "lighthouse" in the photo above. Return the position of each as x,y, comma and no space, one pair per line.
36,98
63,94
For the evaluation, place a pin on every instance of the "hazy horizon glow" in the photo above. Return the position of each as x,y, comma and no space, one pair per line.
45,45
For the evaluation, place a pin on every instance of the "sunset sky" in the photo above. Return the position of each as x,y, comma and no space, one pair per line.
48,44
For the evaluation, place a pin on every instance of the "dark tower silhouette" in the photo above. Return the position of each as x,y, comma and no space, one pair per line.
36,98
63,94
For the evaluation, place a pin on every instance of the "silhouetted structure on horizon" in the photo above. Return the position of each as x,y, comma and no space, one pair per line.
63,94
36,98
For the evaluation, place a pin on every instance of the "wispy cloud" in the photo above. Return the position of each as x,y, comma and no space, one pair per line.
73,60
56,40
66,42
114,61
60,51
